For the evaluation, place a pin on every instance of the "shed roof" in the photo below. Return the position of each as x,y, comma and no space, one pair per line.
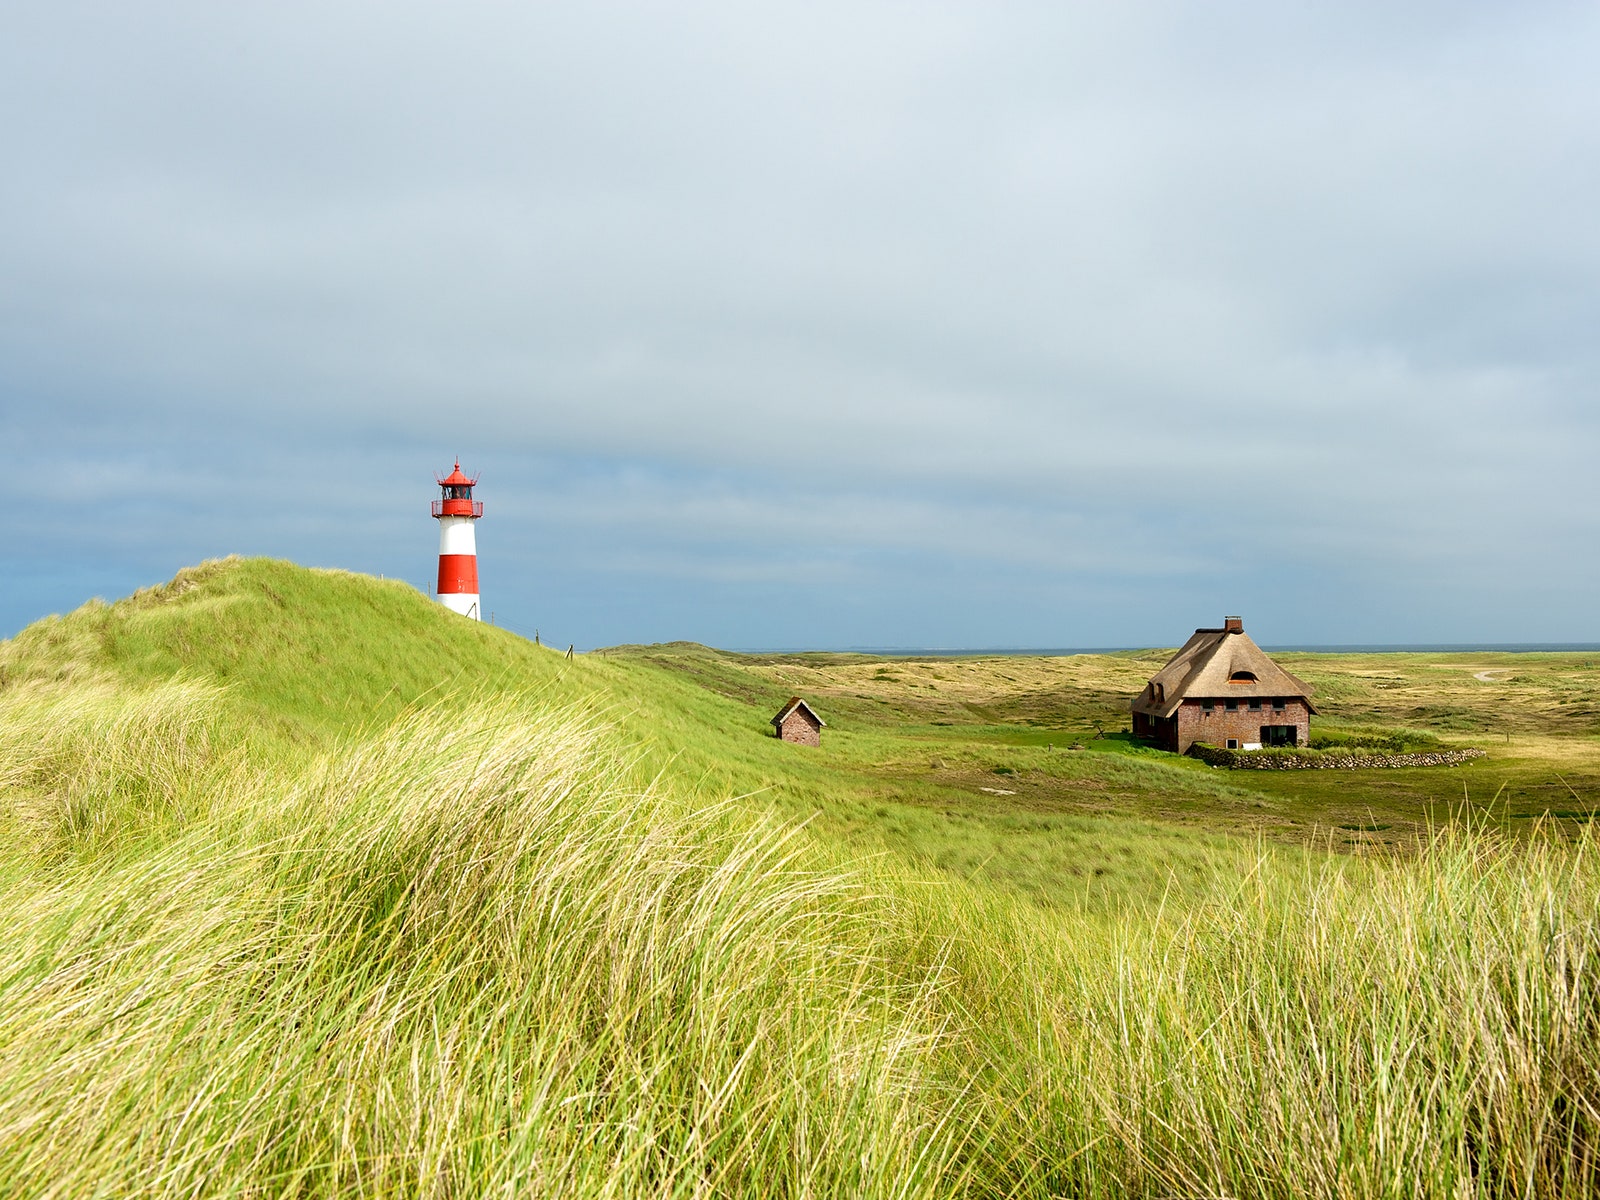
1205,667
795,702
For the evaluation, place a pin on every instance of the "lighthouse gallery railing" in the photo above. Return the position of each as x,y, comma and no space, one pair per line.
457,508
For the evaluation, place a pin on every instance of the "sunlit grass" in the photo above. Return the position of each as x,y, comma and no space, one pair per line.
275,927
1417,1028
468,954
460,957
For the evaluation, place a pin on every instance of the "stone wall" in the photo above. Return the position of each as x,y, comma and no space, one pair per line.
1288,760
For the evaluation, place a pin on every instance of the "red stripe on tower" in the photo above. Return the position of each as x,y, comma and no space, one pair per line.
458,573
457,512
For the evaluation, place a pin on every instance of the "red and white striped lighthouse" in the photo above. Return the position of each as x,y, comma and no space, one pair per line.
458,547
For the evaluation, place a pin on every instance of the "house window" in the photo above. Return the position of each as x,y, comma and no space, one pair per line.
1233,743
1278,706
1255,706
1159,692
1243,677
1206,706
1231,705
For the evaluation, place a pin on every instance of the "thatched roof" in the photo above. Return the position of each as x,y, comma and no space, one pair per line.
1218,664
794,703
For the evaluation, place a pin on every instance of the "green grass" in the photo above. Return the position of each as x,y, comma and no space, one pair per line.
457,957
1534,715
1393,1029
304,655
313,889
1377,741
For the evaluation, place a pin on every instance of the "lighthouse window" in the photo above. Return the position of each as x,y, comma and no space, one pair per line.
458,493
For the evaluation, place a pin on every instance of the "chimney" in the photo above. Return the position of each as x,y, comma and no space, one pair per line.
1233,624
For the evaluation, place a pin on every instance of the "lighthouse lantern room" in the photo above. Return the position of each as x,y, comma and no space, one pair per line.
457,512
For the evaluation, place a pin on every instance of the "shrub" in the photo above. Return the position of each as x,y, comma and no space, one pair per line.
1375,741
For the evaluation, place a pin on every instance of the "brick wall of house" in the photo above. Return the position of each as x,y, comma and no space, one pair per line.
1244,724
799,728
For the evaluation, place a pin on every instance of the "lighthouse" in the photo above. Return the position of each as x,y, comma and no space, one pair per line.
456,511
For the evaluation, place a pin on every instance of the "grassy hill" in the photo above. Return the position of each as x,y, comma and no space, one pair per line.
306,653
305,657
312,888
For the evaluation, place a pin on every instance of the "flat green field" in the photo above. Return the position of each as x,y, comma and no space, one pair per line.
311,888
1021,769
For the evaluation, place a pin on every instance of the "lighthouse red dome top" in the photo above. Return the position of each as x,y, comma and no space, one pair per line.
457,500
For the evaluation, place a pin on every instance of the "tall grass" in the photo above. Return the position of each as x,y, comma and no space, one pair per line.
461,958
1422,1028
88,767
468,955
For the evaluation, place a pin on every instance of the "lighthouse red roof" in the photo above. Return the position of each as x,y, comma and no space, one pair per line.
456,478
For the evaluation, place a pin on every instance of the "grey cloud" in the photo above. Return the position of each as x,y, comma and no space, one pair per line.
1032,285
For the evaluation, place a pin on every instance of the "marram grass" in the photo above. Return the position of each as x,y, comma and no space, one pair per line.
486,955
1422,1028
85,768
460,958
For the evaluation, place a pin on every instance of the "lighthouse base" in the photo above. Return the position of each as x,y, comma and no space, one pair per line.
465,603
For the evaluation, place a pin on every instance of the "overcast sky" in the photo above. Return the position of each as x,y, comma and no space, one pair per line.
818,325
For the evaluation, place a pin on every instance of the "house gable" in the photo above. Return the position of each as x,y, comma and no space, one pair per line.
797,722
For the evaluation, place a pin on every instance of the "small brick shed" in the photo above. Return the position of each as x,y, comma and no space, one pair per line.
1222,689
797,723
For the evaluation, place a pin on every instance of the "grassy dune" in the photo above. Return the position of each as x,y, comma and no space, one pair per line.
312,889
464,958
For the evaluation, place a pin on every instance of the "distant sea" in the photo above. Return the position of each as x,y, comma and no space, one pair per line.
1453,648
1059,651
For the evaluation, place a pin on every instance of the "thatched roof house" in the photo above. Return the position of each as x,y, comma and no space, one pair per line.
797,723
1221,688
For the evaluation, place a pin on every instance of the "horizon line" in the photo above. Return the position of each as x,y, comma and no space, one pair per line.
1285,647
